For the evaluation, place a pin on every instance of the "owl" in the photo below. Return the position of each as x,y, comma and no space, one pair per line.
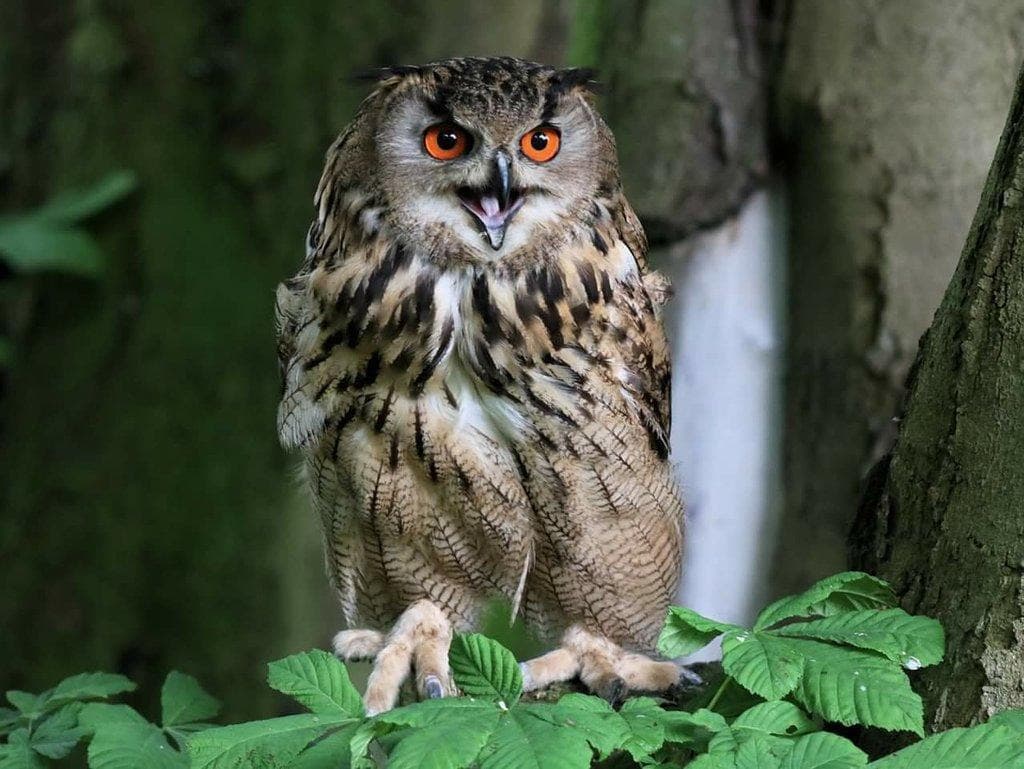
477,377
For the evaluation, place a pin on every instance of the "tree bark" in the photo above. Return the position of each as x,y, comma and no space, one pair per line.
686,100
946,525
886,117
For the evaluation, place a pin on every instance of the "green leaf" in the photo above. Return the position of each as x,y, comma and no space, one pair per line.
333,750
849,591
686,631
527,738
593,717
35,245
780,718
453,740
850,686
8,720
27,703
646,728
131,746
16,753
319,681
913,642
713,761
762,752
183,701
87,686
6,356
1012,719
57,735
697,728
275,741
761,663
986,746
485,668
72,206
824,751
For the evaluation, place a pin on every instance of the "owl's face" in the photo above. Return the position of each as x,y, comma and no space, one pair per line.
492,153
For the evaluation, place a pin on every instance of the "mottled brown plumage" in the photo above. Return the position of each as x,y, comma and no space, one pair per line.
483,420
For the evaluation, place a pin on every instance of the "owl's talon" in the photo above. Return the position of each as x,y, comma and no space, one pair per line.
419,639
604,667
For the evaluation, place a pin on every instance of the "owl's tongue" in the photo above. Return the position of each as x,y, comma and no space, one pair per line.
487,209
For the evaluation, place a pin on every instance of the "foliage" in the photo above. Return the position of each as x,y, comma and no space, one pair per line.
837,653
51,239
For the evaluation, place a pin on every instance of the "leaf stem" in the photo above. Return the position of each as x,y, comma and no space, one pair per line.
718,694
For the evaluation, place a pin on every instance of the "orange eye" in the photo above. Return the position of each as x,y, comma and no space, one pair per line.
541,144
445,141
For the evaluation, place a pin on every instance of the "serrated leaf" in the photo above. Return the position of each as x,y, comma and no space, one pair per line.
131,746
849,591
593,717
27,703
713,761
697,728
686,631
99,714
911,641
981,747
485,668
16,753
275,741
183,701
333,750
57,735
779,718
87,686
760,753
73,206
452,741
850,686
9,719
319,681
761,663
646,734
526,738
34,245
824,751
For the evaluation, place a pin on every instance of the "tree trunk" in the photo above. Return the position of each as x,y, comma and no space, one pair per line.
887,116
946,525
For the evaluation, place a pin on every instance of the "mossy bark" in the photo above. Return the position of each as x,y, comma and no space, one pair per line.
946,521
886,118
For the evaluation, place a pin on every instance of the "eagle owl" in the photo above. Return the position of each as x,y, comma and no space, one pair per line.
475,371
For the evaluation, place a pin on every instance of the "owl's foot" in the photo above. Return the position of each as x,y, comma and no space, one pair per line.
419,639
605,668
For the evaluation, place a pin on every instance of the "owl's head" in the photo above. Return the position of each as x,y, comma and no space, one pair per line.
487,154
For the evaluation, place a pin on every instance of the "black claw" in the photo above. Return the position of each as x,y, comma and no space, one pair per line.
432,687
613,690
689,678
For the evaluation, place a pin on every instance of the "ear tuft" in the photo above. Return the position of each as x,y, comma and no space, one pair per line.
386,74
576,77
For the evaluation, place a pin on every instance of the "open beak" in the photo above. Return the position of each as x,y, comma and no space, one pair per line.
494,206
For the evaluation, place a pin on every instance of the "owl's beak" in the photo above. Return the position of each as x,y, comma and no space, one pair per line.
494,206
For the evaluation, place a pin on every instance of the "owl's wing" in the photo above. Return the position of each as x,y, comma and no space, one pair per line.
300,418
645,356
